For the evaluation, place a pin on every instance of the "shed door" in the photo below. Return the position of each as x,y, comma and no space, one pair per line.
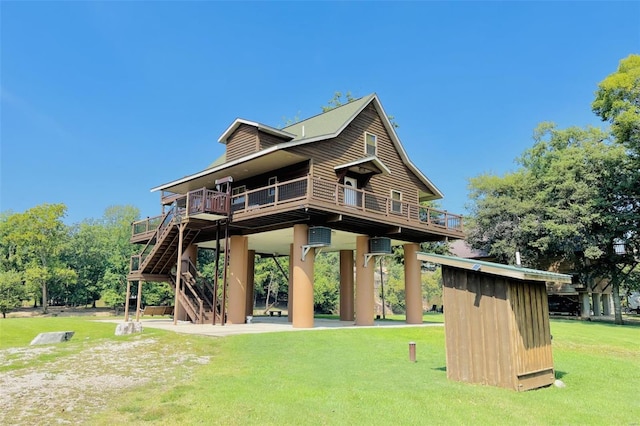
350,191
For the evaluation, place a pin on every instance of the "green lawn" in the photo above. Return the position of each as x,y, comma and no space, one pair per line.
363,376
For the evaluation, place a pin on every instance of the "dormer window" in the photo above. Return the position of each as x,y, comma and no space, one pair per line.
370,141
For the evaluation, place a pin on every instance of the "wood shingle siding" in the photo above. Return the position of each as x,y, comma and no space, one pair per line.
243,141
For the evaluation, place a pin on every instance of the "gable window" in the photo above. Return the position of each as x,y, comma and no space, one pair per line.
371,142
396,201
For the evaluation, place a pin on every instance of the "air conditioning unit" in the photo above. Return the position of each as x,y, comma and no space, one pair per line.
319,236
380,245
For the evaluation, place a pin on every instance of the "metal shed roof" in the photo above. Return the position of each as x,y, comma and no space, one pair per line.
524,274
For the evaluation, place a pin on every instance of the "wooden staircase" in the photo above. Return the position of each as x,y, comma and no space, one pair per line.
197,296
157,261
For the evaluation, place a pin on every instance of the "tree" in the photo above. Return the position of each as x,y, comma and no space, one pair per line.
12,291
88,254
618,102
338,100
117,225
36,238
559,206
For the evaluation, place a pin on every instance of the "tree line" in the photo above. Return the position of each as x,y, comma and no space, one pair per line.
44,261
574,200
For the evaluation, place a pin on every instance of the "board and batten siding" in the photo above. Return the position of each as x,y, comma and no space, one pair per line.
349,146
243,141
497,330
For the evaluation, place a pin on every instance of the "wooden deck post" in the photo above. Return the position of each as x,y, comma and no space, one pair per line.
126,302
139,300
364,283
302,279
346,285
238,279
177,310
412,284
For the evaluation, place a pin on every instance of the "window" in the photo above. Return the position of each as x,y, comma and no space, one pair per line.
396,201
370,143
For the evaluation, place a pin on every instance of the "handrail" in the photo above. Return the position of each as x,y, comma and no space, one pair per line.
316,189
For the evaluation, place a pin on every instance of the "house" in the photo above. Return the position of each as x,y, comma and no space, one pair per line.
342,176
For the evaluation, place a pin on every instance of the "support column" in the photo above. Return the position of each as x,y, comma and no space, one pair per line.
585,308
126,303
237,279
251,263
290,286
346,285
139,300
302,279
606,304
596,304
364,283
412,284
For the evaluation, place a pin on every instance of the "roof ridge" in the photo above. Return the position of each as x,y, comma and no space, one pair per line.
371,95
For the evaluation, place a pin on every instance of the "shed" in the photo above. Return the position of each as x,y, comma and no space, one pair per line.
496,322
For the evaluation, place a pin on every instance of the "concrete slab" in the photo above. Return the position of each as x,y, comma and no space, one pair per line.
264,325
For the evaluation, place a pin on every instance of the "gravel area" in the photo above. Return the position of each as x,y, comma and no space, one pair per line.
72,387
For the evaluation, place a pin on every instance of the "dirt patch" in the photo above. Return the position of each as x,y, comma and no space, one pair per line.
71,388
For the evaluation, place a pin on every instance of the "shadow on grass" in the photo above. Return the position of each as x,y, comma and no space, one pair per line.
560,374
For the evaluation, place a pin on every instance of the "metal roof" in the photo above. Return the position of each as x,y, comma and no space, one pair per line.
524,274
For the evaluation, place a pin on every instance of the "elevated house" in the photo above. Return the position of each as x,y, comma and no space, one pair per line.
340,181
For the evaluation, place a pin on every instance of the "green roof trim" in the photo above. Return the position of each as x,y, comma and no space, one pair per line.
524,274
328,123
218,161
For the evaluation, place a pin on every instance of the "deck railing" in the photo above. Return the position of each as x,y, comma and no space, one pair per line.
194,202
313,189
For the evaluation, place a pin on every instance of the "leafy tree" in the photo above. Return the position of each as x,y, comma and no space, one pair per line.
618,102
88,255
117,224
559,206
36,238
338,100
12,291
326,285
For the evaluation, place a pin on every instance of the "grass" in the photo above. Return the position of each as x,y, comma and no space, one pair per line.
363,376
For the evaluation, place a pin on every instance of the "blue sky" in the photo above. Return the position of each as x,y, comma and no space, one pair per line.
102,101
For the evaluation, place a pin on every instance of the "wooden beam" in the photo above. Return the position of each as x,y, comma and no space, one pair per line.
334,218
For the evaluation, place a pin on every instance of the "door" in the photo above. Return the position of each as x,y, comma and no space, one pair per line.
350,191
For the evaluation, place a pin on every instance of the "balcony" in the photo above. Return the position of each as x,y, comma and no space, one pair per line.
330,197
202,204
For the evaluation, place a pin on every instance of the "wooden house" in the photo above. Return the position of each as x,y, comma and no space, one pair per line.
343,171
497,322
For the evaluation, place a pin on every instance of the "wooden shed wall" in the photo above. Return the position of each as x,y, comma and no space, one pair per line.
496,330
532,334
